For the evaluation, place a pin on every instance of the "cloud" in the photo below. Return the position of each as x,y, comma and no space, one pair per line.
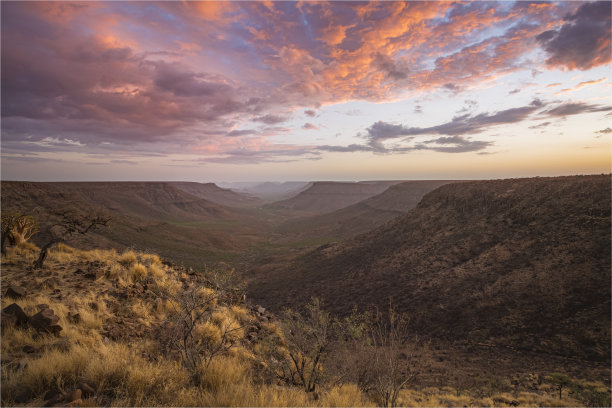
583,41
418,109
121,161
459,125
605,131
345,149
241,132
514,91
568,109
310,126
540,125
455,144
392,69
581,85
270,119
179,76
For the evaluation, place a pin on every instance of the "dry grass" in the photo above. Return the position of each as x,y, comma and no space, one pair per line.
137,372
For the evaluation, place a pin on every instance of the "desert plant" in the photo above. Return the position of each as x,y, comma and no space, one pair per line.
560,381
307,338
388,343
17,228
199,332
71,222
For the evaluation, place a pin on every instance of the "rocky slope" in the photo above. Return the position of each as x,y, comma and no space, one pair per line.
522,263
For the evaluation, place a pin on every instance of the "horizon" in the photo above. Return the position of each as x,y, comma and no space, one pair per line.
290,91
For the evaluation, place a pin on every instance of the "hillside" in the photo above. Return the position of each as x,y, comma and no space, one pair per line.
145,215
520,263
108,328
216,194
326,196
363,216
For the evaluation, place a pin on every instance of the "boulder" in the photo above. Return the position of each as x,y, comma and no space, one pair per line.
19,318
94,274
86,389
75,395
16,292
75,403
51,283
42,306
44,319
54,397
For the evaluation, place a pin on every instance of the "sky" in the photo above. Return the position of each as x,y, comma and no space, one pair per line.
279,91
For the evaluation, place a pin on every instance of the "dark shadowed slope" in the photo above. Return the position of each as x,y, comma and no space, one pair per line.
216,194
327,196
363,216
523,263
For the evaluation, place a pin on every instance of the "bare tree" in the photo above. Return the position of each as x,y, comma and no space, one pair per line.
385,372
71,222
17,228
307,338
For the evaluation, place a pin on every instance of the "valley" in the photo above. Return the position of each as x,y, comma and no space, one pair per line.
501,279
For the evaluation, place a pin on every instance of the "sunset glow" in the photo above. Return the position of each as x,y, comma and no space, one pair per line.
245,91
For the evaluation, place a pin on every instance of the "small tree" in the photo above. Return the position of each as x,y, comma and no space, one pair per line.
307,340
388,344
193,331
71,222
560,381
17,228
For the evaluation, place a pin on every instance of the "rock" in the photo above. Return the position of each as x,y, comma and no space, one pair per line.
86,389
42,306
261,310
28,349
52,393
79,271
93,306
54,329
75,403
42,320
16,292
94,274
54,397
63,345
51,283
75,395
19,319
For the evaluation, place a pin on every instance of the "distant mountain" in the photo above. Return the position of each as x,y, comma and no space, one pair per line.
520,263
271,191
327,196
216,194
363,216
145,215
